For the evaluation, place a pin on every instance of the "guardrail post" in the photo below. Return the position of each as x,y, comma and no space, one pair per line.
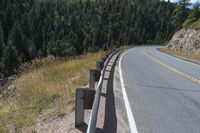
99,65
103,59
94,76
106,55
94,114
89,98
79,109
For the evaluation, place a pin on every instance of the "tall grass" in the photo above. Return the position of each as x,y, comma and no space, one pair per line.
196,25
45,87
192,23
186,54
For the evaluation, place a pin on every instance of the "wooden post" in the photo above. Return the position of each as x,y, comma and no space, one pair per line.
89,98
92,80
79,109
94,76
100,65
103,59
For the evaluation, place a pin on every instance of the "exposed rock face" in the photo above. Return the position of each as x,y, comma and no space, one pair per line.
187,40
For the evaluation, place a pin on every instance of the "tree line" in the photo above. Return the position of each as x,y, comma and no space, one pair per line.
64,28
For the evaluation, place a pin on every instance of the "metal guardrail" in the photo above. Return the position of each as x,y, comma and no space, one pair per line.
93,117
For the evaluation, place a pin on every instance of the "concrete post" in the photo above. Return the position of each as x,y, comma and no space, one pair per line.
94,76
89,98
92,80
106,55
99,65
79,109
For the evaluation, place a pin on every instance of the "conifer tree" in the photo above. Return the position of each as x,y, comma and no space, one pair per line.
2,44
19,41
2,48
180,14
11,60
67,28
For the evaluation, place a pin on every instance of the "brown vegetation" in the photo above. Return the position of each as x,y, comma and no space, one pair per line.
46,84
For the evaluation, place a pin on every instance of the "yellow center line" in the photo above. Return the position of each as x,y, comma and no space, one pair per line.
195,80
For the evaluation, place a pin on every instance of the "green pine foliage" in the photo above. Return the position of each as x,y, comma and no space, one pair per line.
61,48
2,44
2,48
11,60
193,17
66,28
19,41
180,14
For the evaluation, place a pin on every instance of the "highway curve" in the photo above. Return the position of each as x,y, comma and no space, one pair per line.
156,93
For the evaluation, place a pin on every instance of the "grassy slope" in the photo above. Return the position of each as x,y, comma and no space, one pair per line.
185,54
48,87
196,24
190,23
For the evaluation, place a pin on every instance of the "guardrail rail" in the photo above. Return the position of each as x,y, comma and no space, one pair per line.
94,113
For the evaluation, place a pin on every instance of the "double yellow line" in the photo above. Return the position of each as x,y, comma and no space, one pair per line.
195,80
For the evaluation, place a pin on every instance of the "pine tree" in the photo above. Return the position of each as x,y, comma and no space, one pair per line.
19,41
195,13
37,33
2,48
158,37
11,60
3,23
87,25
9,21
180,14
26,26
73,40
2,45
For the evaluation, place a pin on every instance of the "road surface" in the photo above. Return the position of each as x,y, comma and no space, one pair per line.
156,93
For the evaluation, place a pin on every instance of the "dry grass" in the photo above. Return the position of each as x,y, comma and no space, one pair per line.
182,53
50,84
196,25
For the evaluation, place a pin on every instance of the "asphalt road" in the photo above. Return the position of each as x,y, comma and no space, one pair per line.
163,92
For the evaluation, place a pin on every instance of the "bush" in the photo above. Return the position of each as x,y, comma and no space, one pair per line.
196,24
188,22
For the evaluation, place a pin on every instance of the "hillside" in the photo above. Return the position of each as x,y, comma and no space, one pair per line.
43,91
30,28
50,45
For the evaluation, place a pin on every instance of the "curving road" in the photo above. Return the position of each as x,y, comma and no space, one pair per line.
163,93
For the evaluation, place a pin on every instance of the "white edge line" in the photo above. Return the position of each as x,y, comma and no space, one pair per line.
130,116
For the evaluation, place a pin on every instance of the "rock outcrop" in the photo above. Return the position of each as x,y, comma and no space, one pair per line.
187,40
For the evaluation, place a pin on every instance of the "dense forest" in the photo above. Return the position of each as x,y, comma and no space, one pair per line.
64,28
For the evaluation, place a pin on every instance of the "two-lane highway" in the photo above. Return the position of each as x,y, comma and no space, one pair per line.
160,93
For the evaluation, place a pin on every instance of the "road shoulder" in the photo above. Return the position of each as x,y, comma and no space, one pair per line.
122,120
180,57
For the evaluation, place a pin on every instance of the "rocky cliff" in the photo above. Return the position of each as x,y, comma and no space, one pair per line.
187,40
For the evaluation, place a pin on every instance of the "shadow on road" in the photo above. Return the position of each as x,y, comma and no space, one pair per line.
110,122
83,128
